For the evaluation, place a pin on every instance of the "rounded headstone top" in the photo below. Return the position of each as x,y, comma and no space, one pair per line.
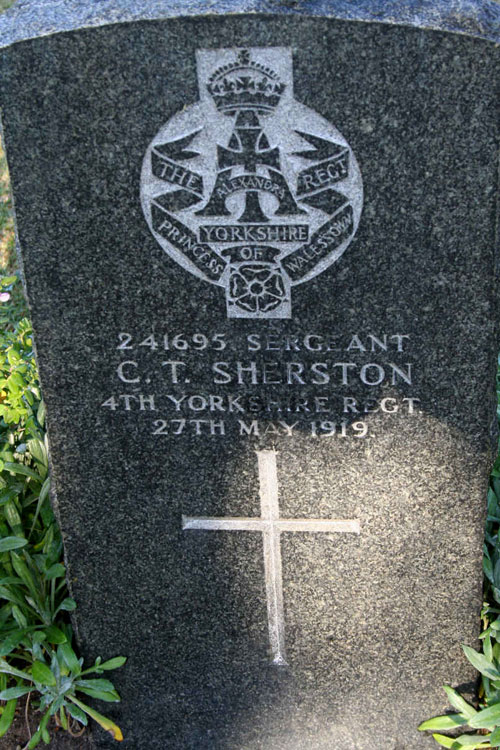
28,19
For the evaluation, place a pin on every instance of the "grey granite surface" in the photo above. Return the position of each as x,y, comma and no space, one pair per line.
31,18
372,621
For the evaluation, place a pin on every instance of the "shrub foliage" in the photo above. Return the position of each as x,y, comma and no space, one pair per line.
37,658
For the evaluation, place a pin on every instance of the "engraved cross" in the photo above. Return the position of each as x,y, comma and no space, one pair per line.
253,150
270,525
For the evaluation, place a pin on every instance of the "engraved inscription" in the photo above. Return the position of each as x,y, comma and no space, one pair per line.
262,384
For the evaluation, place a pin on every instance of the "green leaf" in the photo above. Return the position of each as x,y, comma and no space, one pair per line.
459,703
495,738
13,518
12,542
77,713
444,741
10,494
448,721
42,674
9,580
6,668
37,450
63,718
39,732
19,617
7,716
55,571
23,571
104,685
473,740
102,695
11,595
481,663
7,280
70,658
466,740
45,489
16,379
488,718
54,635
9,644
14,692
22,469
56,705
115,663
40,415
68,605
105,723
41,498
487,647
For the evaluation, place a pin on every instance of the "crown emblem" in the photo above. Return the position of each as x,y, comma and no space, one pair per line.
245,85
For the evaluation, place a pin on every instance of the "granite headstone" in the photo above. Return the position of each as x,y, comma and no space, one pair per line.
259,249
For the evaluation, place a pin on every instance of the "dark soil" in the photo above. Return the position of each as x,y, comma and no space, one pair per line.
18,737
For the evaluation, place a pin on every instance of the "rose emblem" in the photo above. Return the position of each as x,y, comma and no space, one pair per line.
256,288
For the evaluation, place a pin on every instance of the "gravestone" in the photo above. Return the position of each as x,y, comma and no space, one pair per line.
259,248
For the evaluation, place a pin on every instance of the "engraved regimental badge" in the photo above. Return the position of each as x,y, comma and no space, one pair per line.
248,188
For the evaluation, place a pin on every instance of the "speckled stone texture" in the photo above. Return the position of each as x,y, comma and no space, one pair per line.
373,621
30,18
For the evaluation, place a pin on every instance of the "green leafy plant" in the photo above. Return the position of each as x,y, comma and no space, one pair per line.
7,242
37,660
55,673
483,725
487,719
12,302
